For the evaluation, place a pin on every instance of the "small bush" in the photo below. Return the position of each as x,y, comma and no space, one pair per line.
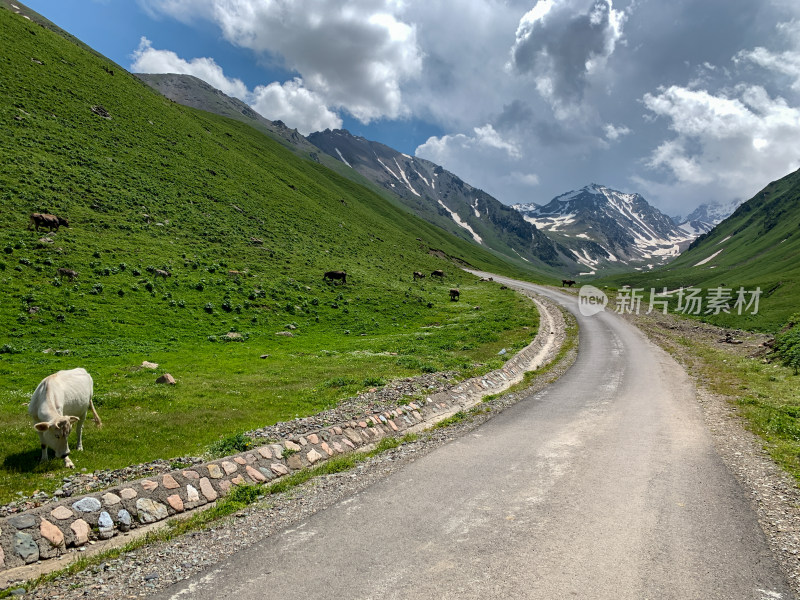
8,349
787,344
232,444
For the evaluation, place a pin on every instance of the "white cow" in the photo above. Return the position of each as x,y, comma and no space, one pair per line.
61,400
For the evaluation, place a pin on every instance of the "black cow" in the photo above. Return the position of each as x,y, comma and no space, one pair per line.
454,294
334,275
438,273
567,282
418,275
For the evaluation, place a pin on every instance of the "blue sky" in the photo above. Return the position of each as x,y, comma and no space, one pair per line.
681,101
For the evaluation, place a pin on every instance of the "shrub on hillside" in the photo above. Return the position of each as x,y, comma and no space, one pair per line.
787,344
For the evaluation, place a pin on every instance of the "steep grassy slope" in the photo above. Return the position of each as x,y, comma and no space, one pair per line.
502,231
756,247
245,229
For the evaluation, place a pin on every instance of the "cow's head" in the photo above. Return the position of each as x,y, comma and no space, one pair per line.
54,434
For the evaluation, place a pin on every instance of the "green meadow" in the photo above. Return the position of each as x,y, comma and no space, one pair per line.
245,230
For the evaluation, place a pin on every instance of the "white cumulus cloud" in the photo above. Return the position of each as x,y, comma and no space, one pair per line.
294,105
354,55
736,141
289,102
147,59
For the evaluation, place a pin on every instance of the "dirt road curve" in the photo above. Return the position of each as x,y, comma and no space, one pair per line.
604,485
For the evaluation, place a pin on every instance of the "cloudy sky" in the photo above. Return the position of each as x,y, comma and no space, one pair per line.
684,101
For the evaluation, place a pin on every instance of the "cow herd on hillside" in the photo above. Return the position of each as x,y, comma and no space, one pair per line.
62,400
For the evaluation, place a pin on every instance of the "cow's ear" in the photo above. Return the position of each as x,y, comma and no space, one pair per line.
74,419
44,426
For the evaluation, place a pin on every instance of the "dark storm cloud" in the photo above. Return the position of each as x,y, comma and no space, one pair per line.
561,43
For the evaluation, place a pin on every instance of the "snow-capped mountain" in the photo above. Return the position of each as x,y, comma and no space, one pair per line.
703,218
442,198
608,229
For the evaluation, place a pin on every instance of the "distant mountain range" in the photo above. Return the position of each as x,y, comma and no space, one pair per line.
703,218
417,185
441,197
754,249
585,232
609,230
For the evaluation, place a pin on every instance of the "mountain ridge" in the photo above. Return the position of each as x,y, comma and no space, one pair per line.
608,229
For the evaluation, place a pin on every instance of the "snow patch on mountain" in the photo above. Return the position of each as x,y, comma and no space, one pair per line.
713,256
623,225
461,223
344,160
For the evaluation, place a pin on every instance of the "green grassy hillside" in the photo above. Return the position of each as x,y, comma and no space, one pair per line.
246,230
756,247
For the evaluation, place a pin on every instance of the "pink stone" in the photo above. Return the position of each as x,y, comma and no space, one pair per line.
128,494
362,424
303,441
417,416
51,533
214,472
81,530
348,442
413,406
264,451
295,462
338,447
149,485
326,449
279,469
225,486
277,450
239,460
229,467
337,430
392,425
313,456
313,438
254,475
250,458
289,445
110,499
61,513
238,480
175,502
374,420
207,489
168,481
191,474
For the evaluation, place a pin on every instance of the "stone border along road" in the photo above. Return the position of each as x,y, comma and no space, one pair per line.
50,531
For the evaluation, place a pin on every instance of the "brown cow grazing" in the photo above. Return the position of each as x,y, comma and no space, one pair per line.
67,273
567,282
52,222
454,294
162,273
334,275
418,275
438,273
